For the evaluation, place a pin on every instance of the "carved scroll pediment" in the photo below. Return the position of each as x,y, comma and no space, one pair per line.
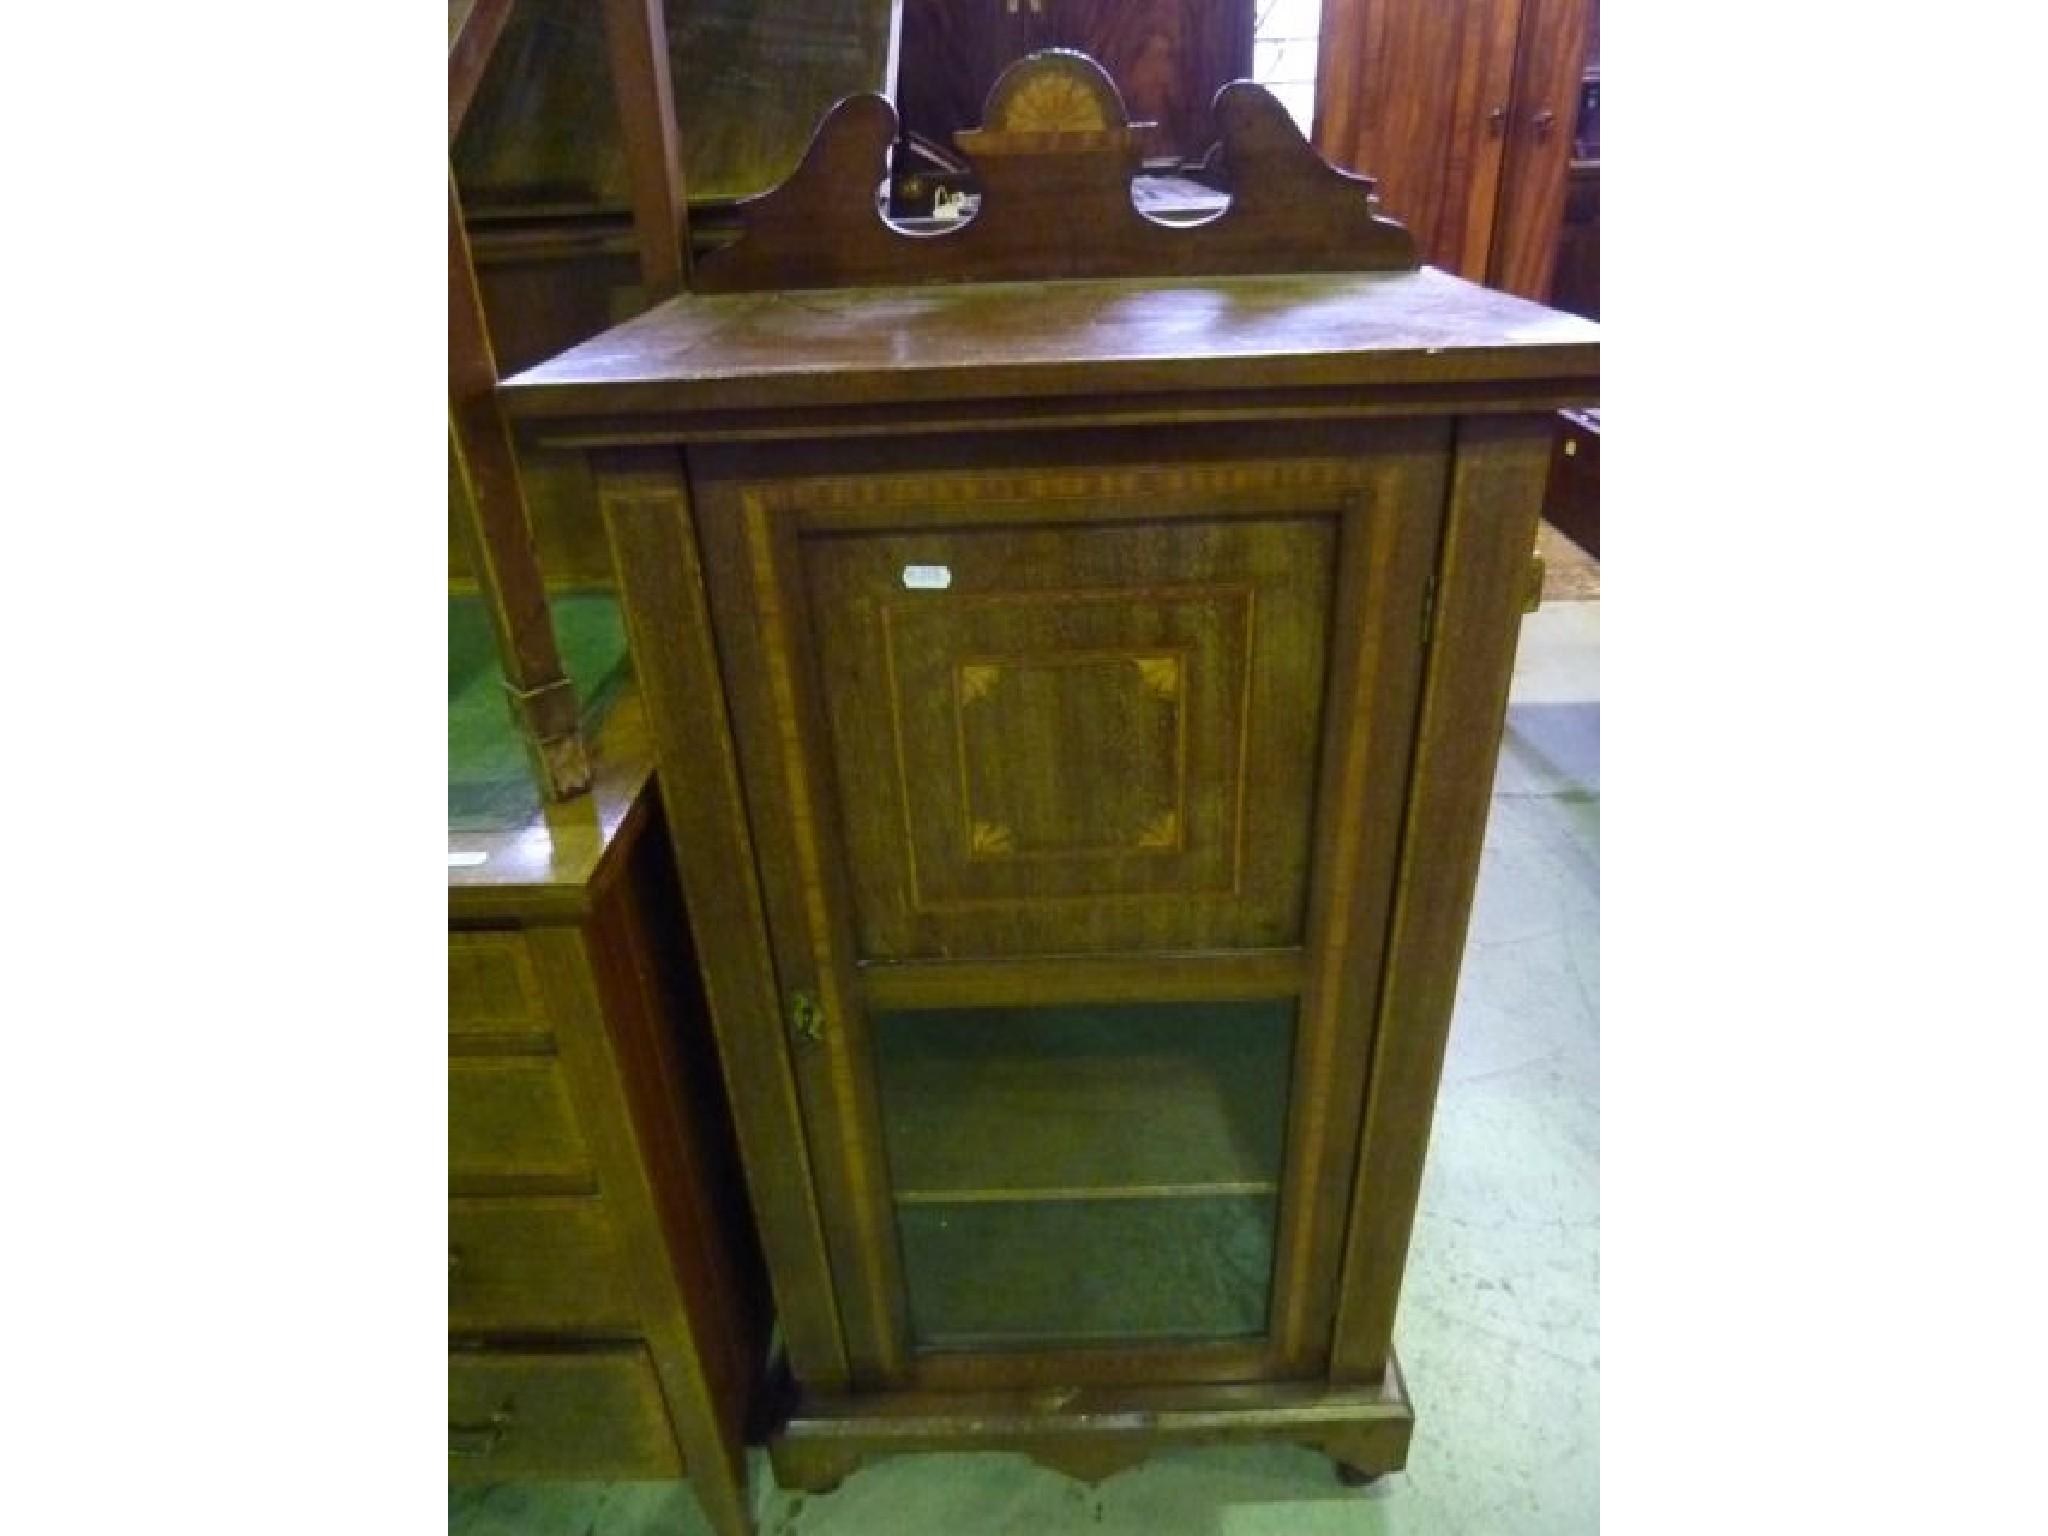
1055,158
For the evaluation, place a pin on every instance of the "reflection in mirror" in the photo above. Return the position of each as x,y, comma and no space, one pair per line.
1177,198
1168,198
935,208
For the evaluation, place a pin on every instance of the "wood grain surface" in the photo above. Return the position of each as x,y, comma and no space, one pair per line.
1054,163
942,346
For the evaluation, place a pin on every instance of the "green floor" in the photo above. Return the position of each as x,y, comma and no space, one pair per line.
1499,1325
490,786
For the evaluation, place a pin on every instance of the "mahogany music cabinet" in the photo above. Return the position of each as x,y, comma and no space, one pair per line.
1076,650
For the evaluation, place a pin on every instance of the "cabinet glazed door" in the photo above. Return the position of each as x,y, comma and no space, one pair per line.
1074,769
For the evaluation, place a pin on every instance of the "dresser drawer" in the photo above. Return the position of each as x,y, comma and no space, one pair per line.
534,1263
493,988
511,1122
591,1415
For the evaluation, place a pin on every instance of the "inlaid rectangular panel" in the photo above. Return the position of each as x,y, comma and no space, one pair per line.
1075,738
1014,809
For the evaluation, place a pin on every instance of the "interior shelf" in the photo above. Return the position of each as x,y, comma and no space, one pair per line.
1128,1102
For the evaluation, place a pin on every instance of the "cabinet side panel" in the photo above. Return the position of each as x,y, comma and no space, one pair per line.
673,1062
707,1325
647,515
634,1151
1497,479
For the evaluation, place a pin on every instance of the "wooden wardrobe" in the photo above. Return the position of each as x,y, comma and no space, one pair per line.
1463,111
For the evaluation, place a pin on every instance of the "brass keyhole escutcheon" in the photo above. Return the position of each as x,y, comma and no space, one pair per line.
806,1018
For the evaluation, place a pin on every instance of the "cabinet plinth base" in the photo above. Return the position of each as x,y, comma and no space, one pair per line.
1092,1433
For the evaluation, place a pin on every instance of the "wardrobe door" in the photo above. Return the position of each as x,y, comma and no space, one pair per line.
1549,61
1417,94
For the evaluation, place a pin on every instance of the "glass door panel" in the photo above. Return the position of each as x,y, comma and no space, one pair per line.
1086,1174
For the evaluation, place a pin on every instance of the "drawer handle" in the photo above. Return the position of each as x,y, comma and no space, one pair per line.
480,1439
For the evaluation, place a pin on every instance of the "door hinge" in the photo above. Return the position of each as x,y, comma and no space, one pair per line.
1428,608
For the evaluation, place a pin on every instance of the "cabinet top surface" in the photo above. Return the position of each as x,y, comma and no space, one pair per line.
553,864
882,346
